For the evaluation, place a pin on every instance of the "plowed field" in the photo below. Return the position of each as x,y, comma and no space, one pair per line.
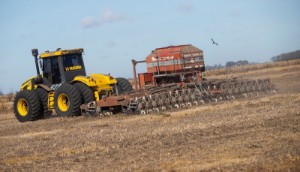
260,133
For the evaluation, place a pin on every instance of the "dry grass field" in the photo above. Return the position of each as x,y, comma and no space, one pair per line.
257,134
6,103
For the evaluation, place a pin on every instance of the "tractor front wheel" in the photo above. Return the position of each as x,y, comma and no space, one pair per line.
67,100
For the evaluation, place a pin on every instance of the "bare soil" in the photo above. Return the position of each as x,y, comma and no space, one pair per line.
260,133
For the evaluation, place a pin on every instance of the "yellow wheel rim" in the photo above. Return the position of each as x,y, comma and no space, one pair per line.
22,106
63,102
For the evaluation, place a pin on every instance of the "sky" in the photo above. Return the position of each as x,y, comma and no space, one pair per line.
116,31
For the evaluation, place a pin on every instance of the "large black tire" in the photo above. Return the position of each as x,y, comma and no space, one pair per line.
27,106
43,98
86,92
67,100
122,86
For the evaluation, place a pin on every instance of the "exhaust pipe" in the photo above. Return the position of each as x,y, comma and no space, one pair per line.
35,53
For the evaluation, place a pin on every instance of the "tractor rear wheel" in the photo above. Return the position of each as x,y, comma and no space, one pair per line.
122,86
27,106
43,98
67,100
86,92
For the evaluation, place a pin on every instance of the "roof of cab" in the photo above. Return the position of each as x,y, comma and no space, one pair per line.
60,52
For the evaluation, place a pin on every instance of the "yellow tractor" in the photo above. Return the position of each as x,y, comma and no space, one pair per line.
63,86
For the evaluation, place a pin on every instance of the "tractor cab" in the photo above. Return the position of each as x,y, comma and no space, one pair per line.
62,66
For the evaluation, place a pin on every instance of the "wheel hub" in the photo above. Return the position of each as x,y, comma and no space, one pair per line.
63,102
22,106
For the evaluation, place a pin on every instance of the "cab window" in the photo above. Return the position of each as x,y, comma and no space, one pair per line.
72,60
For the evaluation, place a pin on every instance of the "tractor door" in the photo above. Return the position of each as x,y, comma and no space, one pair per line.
51,70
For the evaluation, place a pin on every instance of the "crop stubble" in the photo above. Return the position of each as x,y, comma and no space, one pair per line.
260,133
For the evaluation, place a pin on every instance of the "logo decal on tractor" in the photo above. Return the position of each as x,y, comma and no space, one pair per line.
73,68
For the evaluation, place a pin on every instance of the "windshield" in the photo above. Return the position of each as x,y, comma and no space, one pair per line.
72,62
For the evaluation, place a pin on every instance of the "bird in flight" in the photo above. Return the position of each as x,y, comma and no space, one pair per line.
213,42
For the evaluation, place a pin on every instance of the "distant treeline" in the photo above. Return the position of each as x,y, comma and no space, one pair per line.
238,63
287,56
282,57
228,64
208,67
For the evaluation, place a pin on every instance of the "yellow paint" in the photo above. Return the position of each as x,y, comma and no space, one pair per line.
63,102
86,80
22,107
27,85
96,93
51,100
61,52
99,83
103,82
